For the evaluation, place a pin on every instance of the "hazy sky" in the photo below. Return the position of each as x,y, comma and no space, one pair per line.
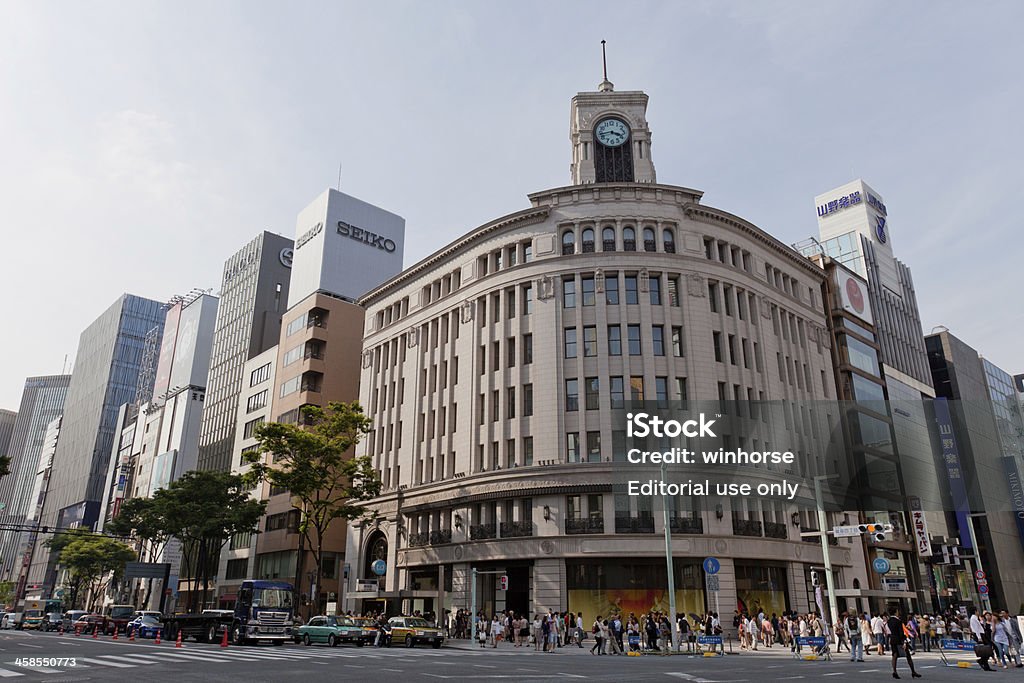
141,143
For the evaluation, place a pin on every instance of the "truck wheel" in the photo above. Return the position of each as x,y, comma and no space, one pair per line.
332,641
211,634
305,639
238,635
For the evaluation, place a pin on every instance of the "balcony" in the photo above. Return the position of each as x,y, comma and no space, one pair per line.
670,247
313,353
634,525
775,530
608,245
588,246
419,540
516,529
628,245
746,527
650,245
832,540
440,536
686,525
584,526
482,532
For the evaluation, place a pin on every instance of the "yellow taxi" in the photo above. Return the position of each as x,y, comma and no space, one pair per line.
412,631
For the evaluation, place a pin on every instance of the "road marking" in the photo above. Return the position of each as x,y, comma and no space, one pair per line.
689,677
517,677
38,647
835,673
6,673
195,658
37,669
105,662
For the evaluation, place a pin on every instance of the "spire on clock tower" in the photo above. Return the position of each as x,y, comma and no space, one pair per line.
611,142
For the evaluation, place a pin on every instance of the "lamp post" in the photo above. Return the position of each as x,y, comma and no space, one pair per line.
829,581
669,566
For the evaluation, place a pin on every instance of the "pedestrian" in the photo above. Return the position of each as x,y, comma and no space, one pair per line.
1000,640
878,633
579,629
977,627
538,632
1013,631
853,635
898,643
598,630
497,631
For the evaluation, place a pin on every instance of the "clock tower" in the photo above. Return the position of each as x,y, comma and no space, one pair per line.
611,142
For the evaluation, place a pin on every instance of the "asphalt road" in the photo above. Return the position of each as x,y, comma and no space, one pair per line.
107,660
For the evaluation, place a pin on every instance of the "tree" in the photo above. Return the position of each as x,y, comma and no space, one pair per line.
314,464
5,466
91,561
202,510
145,519
7,594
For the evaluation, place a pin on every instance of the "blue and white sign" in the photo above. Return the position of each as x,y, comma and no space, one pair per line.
839,203
880,229
712,565
881,565
877,204
379,567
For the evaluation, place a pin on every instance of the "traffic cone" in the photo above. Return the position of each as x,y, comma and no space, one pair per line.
178,642
60,630
78,629
96,631
224,640
115,633
131,635
157,637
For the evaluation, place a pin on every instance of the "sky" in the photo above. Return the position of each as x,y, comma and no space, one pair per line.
142,143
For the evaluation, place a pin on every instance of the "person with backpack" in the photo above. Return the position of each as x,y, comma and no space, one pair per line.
853,635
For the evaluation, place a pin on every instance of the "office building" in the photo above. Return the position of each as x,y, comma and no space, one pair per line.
27,540
42,400
254,292
495,371
106,375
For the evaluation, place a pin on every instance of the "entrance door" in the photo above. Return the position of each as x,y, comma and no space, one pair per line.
517,597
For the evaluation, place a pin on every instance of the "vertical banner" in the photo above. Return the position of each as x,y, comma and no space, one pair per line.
951,459
920,527
1012,473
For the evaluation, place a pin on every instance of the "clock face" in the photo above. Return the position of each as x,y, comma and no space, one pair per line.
612,132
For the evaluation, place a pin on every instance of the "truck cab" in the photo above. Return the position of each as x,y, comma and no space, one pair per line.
263,611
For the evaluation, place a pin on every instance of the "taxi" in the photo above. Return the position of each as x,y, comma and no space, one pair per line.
411,631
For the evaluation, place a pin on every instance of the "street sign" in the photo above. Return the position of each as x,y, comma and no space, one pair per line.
59,593
979,575
713,585
845,531
145,570
712,565
881,565
983,589
379,567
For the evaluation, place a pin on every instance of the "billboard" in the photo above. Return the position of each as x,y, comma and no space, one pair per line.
853,294
194,343
163,470
163,368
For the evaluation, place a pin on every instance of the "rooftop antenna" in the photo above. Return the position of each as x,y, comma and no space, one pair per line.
606,85
339,177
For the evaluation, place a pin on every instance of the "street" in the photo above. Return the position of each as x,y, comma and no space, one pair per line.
121,660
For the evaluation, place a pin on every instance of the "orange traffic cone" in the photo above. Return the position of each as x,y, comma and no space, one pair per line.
224,640
178,642
157,636
131,635
115,633
96,631
78,629
60,631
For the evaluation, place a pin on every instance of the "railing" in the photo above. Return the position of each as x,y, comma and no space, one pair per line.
670,247
588,247
480,532
315,354
312,387
419,540
440,536
608,245
516,529
775,530
316,322
568,249
650,245
584,526
746,527
629,245
686,525
634,525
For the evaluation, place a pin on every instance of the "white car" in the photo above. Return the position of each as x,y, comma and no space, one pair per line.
7,621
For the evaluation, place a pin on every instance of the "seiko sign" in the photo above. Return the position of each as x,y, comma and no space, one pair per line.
366,237
309,234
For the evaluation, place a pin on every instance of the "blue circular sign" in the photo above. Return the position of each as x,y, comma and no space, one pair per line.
983,590
712,565
881,565
379,567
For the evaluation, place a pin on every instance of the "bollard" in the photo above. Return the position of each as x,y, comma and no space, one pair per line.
224,640
177,643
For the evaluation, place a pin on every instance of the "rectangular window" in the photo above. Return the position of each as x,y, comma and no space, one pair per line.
654,288
732,349
296,325
291,386
614,340
527,450
661,391
636,388
713,296
617,392
260,374
570,342
256,401
634,339
237,569
247,431
631,295
587,290
727,296
589,341
746,353
569,292
510,303
510,404
527,400
593,446
527,349
494,405
292,355
673,292
677,341
572,447
681,388
716,341
510,352
527,299
611,288
658,339
592,391
572,395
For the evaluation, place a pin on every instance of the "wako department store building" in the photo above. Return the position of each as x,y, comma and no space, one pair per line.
492,368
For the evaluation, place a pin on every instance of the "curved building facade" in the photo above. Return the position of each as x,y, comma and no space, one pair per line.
493,370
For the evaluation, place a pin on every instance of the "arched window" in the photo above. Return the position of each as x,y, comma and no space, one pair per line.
650,244
668,237
608,239
628,239
588,240
568,243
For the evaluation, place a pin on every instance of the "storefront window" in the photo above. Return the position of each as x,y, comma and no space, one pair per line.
761,587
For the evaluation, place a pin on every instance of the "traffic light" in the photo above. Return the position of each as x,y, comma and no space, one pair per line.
877,532
814,579
503,582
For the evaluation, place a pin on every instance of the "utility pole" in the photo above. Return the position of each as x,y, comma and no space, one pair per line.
829,581
669,565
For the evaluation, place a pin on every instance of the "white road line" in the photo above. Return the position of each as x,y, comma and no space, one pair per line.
835,673
38,647
6,673
194,658
105,662
41,669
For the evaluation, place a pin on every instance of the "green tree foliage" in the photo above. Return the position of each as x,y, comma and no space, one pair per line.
7,594
145,519
91,560
5,466
314,463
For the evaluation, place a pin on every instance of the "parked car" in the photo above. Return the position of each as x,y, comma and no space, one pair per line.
145,626
52,622
7,621
71,616
409,631
92,622
146,613
331,630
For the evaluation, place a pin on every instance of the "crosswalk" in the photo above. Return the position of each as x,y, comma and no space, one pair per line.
142,656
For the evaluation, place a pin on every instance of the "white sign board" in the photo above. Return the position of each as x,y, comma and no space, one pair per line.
845,531
895,584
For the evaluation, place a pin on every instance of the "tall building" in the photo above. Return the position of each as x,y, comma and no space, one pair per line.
42,400
976,399
106,375
254,292
27,541
7,420
343,247
496,371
